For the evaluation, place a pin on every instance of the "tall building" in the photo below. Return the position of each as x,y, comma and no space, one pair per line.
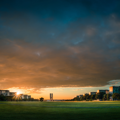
51,96
114,89
4,92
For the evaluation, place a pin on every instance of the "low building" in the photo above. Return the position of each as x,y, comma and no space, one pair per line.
80,96
25,96
4,92
21,96
85,94
29,96
104,91
13,94
92,93
114,89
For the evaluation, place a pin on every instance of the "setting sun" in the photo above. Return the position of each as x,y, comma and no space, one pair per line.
18,93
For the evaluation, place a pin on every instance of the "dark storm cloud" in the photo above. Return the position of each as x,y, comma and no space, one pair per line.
59,43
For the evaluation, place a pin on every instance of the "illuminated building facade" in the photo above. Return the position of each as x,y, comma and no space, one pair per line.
114,89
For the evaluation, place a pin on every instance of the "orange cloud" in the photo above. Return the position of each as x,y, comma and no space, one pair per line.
72,66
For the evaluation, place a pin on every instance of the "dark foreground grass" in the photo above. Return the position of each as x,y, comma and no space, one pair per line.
37,111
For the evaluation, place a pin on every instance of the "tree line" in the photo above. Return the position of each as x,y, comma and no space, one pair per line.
100,96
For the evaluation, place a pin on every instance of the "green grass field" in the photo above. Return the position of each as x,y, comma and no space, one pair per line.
60,110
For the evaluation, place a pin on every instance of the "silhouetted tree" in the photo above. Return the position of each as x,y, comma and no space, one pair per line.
2,98
108,96
116,96
100,95
9,98
92,97
76,99
41,99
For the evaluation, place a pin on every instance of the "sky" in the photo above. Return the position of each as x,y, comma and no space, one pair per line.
64,47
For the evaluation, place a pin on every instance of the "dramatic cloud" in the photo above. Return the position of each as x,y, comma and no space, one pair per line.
43,45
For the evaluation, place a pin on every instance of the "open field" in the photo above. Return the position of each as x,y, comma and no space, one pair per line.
60,110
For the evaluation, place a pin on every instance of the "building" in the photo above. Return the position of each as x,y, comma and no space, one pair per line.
13,94
85,94
21,96
107,91
80,96
29,96
114,89
104,91
4,92
25,96
16,96
92,93
51,96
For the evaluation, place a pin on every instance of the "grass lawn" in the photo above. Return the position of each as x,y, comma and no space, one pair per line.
60,110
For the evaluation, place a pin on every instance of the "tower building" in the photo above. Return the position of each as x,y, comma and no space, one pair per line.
51,96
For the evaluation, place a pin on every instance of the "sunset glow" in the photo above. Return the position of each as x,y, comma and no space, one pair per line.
18,93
